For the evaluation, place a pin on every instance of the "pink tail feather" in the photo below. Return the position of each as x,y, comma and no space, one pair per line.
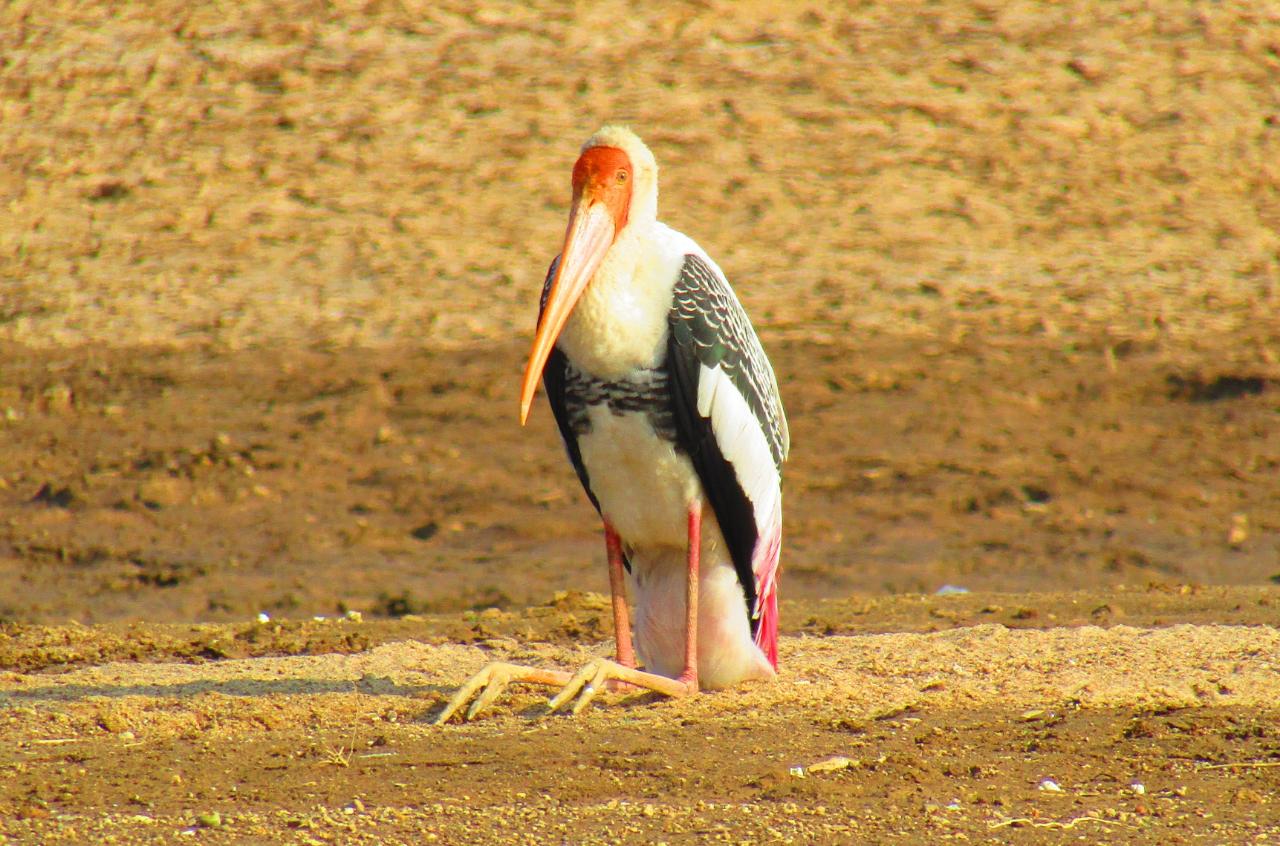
767,633
767,554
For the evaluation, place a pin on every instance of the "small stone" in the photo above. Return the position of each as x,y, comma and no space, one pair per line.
112,722
1248,796
54,497
1239,532
1088,67
1107,611
832,764
210,819
426,531
1049,786
163,492
57,398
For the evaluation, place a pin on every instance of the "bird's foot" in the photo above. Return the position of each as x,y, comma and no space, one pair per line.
494,679
588,681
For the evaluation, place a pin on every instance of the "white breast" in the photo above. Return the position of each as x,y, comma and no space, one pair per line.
644,486
620,323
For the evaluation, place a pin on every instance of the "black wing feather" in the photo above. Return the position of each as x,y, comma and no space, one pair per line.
553,382
708,327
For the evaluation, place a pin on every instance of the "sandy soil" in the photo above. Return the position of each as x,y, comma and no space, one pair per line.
266,279
955,733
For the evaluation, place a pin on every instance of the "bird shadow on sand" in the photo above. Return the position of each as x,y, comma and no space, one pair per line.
368,685
432,696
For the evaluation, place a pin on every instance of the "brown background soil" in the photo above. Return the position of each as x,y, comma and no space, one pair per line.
267,274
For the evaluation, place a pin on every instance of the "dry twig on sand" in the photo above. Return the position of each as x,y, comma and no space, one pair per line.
1069,824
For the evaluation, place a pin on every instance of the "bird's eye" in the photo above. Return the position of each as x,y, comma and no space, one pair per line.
622,176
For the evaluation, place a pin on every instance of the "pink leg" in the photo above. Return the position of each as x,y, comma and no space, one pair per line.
626,654
690,674
582,688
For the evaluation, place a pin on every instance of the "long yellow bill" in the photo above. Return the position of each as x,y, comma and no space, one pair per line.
589,237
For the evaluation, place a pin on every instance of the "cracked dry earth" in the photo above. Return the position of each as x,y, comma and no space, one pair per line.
267,274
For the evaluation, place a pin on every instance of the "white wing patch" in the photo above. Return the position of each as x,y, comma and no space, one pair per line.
741,441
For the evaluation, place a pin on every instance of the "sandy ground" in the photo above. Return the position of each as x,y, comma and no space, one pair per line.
954,733
267,274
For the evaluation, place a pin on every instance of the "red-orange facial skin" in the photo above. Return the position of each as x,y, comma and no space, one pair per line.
603,175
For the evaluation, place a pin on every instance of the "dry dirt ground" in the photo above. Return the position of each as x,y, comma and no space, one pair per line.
267,274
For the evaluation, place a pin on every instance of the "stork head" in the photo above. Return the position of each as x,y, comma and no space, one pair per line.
615,186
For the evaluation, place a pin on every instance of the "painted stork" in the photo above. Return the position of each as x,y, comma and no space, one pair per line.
671,417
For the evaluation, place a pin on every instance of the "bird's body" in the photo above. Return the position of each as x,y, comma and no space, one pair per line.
614,404
671,416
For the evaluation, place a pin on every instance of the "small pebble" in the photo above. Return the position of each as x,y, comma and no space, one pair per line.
829,765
